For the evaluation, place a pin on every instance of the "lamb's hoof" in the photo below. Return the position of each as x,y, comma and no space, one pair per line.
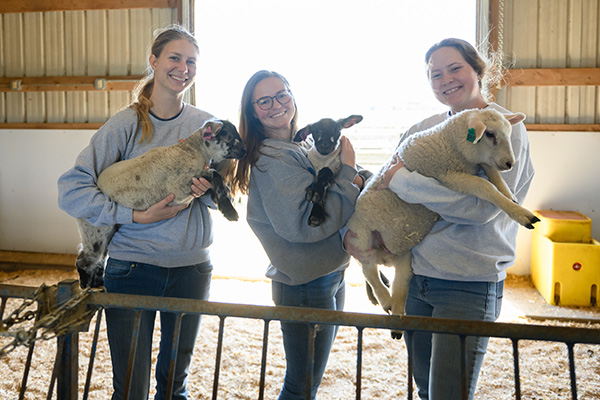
315,221
533,221
90,277
228,211
317,215
397,335
312,196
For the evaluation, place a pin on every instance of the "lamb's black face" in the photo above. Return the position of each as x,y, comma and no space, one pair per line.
229,136
326,134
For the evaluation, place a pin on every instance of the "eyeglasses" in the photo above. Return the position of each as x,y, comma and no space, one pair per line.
266,103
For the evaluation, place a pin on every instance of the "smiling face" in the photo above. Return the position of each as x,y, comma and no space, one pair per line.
453,81
175,67
276,120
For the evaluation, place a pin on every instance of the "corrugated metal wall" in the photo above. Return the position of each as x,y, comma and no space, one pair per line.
74,43
553,34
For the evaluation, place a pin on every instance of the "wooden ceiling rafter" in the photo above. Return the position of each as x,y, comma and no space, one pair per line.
24,6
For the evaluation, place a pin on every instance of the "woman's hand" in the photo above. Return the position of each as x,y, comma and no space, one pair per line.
159,211
347,154
390,170
200,186
162,210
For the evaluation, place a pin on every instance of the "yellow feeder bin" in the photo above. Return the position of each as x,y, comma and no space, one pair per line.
565,272
564,226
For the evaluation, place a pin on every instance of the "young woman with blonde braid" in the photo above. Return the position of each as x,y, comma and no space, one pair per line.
162,251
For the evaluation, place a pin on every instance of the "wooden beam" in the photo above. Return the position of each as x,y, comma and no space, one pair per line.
68,83
23,6
563,127
52,125
553,77
42,259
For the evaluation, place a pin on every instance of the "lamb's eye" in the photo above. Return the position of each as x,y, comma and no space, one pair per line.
490,134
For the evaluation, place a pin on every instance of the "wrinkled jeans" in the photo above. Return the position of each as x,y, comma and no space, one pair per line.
327,292
436,357
189,282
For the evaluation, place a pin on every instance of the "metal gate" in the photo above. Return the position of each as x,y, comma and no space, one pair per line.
64,310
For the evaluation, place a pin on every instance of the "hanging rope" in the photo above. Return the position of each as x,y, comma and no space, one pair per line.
500,50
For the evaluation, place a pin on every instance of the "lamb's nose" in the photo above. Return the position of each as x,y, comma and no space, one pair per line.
509,165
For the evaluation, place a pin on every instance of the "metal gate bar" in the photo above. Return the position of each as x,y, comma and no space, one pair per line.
462,328
88,379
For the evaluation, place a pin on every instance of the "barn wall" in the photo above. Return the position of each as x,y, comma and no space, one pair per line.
556,34
89,42
74,43
553,34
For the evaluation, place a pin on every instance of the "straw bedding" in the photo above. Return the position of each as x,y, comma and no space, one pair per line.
544,366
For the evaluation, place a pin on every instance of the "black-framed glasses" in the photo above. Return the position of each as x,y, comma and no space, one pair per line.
266,103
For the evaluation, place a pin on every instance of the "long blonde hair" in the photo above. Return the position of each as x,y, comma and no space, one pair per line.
142,103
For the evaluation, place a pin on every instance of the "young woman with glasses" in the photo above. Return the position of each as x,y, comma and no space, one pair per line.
307,263
460,266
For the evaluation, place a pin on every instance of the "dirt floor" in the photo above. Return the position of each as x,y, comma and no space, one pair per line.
544,366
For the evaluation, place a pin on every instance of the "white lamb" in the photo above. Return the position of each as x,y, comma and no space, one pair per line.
452,152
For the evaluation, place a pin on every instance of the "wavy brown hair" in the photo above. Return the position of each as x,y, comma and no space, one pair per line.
252,131
141,94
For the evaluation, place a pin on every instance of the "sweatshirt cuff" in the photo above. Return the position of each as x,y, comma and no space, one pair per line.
397,180
124,215
348,172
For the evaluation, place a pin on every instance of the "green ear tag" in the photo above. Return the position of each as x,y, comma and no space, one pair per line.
471,135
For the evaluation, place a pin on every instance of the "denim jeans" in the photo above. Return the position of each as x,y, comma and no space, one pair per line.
189,282
436,358
327,292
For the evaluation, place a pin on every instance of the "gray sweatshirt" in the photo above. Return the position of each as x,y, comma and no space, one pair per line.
181,240
278,214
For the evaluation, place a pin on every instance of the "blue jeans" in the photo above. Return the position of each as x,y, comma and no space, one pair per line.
436,358
327,292
189,282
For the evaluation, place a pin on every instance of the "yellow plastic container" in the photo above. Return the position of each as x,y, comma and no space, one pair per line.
566,274
564,226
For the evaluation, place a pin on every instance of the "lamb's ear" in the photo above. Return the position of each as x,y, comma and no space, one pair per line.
515,118
302,134
351,120
210,129
476,128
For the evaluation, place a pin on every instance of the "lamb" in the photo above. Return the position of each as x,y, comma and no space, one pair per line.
324,155
140,182
451,152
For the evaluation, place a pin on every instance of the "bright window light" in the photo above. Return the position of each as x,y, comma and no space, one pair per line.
341,57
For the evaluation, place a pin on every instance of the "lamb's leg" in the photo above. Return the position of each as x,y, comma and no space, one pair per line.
220,194
317,214
474,185
315,193
92,252
400,287
369,289
496,178
373,278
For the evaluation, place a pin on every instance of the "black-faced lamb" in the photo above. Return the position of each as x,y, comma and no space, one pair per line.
140,182
452,152
324,155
